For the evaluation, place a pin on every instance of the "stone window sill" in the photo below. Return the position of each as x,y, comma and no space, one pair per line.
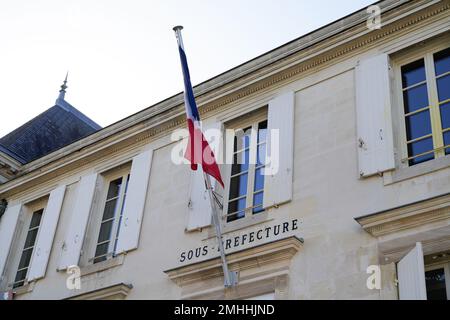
27,288
402,174
102,266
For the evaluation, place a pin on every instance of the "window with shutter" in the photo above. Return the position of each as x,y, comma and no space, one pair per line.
246,184
28,248
244,191
25,243
109,213
111,218
425,84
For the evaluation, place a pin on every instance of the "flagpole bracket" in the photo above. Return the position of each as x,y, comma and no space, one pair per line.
233,277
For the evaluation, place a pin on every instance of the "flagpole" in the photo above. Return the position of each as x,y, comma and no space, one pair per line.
230,278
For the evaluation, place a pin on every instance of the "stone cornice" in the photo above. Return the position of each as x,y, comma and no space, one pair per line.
281,65
407,217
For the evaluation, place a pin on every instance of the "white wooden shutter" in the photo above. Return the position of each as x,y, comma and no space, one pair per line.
280,150
199,211
411,275
47,229
373,113
71,250
199,205
8,225
133,211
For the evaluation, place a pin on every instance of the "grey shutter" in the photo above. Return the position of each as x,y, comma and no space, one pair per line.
199,211
44,241
8,224
280,151
71,250
373,112
133,211
411,275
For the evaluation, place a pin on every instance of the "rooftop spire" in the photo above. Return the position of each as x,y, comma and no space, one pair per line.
62,92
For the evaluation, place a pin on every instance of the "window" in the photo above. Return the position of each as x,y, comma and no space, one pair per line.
426,102
437,279
246,187
111,218
27,251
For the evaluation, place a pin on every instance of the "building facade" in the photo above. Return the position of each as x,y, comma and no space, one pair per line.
358,206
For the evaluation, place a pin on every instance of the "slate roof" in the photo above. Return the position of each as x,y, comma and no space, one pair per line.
53,129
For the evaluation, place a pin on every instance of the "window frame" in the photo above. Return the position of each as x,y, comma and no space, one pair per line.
123,172
427,54
252,119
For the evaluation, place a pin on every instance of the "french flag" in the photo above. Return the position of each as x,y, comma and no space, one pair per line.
198,150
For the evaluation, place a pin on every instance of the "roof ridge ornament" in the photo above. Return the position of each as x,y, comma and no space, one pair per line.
62,92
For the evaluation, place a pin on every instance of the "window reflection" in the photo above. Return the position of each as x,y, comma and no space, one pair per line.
435,283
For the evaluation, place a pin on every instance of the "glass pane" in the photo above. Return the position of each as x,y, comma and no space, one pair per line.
31,238
110,209
20,276
415,98
25,258
257,202
447,141
262,131
102,249
443,85
418,125
236,206
240,162
36,218
18,284
261,154
259,179
435,282
114,188
419,147
413,73
105,231
242,139
442,61
445,115
238,186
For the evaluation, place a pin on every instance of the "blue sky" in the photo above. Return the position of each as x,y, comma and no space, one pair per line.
122,55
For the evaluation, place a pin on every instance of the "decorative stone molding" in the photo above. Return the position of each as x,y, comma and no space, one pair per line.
115,292
397,230
407,217
261,269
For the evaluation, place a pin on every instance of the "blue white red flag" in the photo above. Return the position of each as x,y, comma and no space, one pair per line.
198,150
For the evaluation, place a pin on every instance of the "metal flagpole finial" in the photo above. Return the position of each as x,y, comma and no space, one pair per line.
177,28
